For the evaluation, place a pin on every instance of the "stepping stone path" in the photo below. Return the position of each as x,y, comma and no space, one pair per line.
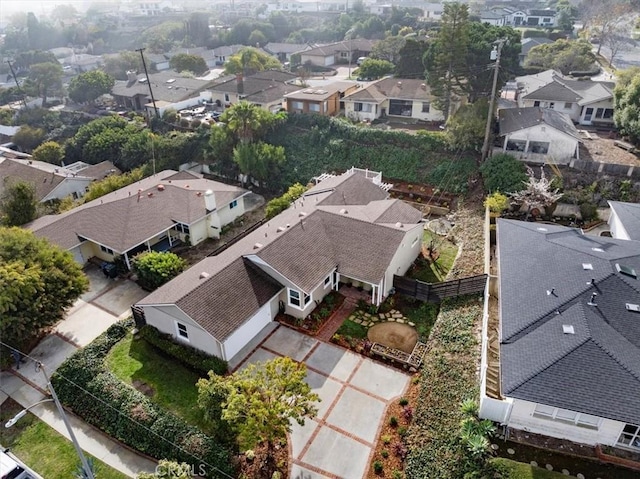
368,319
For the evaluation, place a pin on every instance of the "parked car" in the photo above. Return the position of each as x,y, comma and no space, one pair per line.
360,60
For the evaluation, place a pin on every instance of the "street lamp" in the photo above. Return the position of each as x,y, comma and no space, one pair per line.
83,460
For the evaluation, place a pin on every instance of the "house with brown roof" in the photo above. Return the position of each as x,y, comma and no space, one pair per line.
399,97
50,181
325,101
339,52
154,213
343,230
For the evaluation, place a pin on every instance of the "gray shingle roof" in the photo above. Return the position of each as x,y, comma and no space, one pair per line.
262,87
516,119
629,214
164,89
357,44
554,91
393,88
593,370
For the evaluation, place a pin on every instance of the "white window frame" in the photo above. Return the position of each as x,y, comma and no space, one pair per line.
302,298
567,416
328,281
107,250
568,105
182,335
635,438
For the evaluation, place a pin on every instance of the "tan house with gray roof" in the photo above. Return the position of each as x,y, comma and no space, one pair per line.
155,213
343,230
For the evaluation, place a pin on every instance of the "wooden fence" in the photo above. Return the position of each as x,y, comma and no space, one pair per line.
436,292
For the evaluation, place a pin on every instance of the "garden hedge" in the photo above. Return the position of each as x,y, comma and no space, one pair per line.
90,390
448,378
192,358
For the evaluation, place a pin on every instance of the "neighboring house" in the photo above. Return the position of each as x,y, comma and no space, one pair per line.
305,6
209,56
401,97
587,102
512,16
222,54
53,182
564,358
170,90
339,52
624,220
82,62
541,18
492,18
265,89
538,135
432,11
283,51
325,101
343,230
154,213
528,44
7,132
157,61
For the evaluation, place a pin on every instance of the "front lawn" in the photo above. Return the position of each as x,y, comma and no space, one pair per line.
519,470
352,329
434,269
43,449
164,380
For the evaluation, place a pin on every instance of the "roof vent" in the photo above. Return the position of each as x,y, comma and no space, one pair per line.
568,329
208,193
288,225
587,266
599,250
626,270
204,275
343,211
150,194
592,301
551,292
280,229
257,246
399,225
542,229
302,213
160,187
633,307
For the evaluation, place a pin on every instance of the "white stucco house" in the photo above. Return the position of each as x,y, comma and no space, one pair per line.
399,97
155,213
561,343
343,230
538,135
587,102
53,182
624,220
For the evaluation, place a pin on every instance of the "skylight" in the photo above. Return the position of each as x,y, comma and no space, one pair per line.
568,329
633,307
587,266
599,250
627,270
542,229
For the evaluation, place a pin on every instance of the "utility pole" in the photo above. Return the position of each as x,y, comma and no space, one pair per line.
15,78
144,65
487,132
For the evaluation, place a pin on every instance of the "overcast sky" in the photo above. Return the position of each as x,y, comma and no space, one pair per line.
7,7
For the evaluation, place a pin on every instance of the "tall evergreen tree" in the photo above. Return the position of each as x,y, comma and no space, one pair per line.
446,59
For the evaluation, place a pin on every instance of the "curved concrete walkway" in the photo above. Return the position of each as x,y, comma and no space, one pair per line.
355,392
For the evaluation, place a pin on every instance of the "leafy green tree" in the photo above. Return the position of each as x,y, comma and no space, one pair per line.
112,183
88,86
247,121
75,147
446,59
566,15
389,48
18,203
465,129
250,60
49,152
259,160
198,32
372,68
260,401
169,470
64,12
219,151
504,173
627,104
118,66
25,59
563,55
40,281
44,78
410,63
164,36
257,38
28,138
155,268
188,62
281,203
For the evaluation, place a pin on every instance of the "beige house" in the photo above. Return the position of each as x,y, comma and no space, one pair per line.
155,213
394,97
343,230
326,100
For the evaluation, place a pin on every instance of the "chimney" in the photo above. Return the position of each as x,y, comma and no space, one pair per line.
240,83
209,200
131,77
423,86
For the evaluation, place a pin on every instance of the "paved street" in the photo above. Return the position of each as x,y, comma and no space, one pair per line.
355,393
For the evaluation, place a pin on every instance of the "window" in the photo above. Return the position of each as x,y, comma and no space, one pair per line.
400,107
630,436
182,330
233,204
226,97
365,107
552,104
426,107
564,415
315,107
294,298
181,228
297,105
539,147
604,113
516,145
327,281
104,249
536,103
568,105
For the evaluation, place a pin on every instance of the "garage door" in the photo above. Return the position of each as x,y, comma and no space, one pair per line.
77,255
248,330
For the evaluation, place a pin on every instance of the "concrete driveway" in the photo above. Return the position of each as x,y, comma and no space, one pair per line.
355,393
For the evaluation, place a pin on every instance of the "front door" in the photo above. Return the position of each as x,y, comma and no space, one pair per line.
588,114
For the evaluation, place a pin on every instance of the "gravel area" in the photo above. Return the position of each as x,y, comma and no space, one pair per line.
602,149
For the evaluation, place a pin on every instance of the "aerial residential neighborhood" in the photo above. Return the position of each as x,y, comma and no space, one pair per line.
320,239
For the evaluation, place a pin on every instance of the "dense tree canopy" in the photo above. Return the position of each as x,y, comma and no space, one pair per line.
465,129
503,173
118,66
40,281
18,204
188,62
28,138
410,63
563,55
49,152
373,68
154,268
627,104
44,78
250,60
88,86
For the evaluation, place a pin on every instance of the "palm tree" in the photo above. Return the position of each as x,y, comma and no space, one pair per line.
245,120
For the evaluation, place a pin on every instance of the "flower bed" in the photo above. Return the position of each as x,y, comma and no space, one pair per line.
318,317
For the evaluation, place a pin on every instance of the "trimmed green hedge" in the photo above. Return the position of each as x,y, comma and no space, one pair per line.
84,384
192,358
448,378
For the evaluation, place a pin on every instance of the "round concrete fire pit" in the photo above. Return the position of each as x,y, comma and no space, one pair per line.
394,335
